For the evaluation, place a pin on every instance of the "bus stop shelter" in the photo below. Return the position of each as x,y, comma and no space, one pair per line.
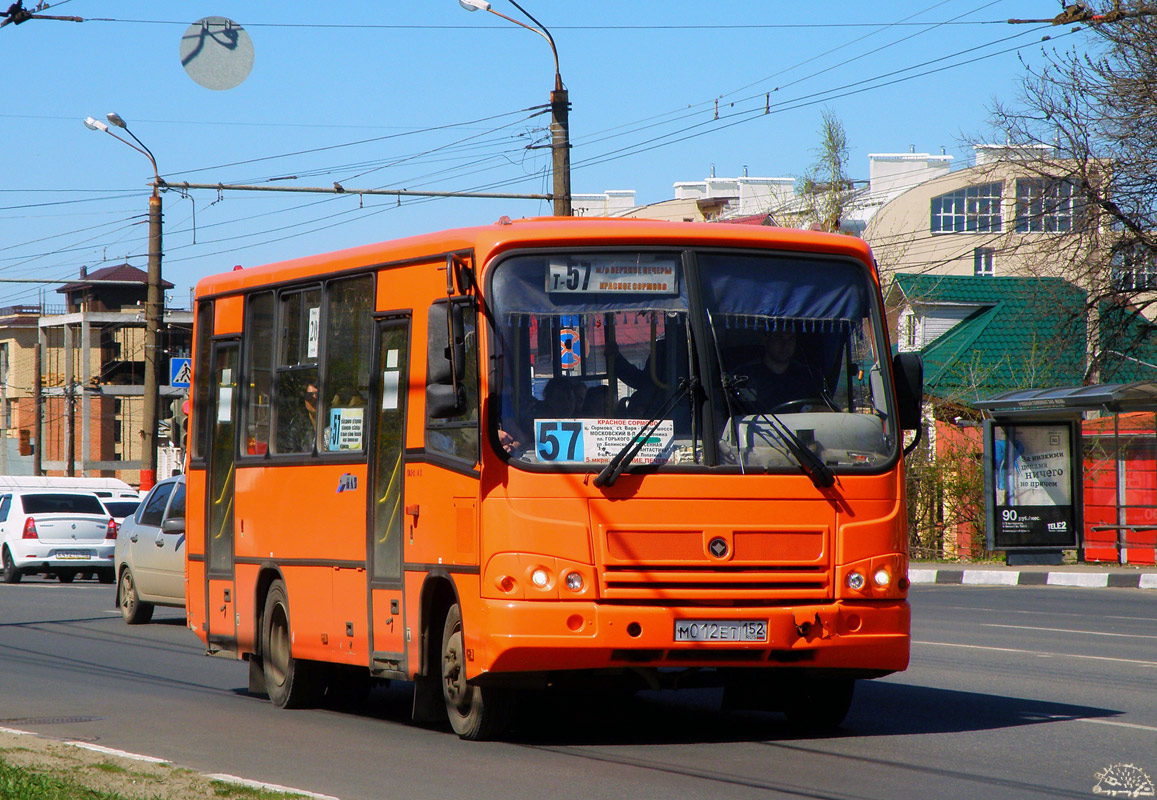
1073,468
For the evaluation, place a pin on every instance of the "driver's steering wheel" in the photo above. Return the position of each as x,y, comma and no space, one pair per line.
805,405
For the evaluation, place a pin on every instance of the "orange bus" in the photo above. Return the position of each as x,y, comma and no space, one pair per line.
617,453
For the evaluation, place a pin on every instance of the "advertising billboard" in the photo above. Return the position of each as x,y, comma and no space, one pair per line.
1032,471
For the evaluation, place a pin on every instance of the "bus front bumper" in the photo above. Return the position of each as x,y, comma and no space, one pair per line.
528,637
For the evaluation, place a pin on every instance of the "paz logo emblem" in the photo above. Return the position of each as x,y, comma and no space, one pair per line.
718,547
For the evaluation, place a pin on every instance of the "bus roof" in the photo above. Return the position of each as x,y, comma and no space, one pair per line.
489,240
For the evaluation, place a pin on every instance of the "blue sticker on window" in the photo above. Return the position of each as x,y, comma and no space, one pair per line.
559,440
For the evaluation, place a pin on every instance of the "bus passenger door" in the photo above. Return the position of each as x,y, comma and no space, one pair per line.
386,474
220,592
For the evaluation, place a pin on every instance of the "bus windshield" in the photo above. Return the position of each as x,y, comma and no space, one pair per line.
708,359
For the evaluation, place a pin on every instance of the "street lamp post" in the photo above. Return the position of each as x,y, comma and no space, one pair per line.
559,109
154,303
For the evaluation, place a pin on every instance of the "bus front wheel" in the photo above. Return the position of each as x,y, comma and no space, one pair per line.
818,705
290,682
475,712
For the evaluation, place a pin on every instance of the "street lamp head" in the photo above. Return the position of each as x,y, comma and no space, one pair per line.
474,5
115,119
95,124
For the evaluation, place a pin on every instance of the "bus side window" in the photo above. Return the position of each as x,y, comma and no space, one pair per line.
456,436
258,343
348,339
296,390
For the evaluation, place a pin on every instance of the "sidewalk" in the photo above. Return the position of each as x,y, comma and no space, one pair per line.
1086,576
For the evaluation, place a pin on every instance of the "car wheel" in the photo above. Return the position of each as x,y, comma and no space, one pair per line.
475,712
12,573
66,576
133,609
290,682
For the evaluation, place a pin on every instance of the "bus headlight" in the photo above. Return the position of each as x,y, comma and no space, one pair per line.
855,581
574,581
882,578
540,578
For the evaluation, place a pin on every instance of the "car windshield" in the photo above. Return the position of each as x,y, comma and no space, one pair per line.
62,504
698,357
121,508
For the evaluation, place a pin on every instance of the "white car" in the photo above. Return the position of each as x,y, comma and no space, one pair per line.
150,553
55,532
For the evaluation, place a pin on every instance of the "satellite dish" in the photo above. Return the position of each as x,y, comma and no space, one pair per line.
217,53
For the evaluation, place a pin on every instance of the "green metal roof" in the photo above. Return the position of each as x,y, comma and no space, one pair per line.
1024,333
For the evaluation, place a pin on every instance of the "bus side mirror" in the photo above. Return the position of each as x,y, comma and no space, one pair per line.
445,360
908,372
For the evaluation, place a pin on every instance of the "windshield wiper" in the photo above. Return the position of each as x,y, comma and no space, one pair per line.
622,459
813,466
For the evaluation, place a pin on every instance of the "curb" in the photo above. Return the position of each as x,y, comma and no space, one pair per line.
1012,577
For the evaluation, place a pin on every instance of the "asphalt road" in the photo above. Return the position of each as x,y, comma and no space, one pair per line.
1012,692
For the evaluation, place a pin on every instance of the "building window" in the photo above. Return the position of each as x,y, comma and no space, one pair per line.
1134,269
909,331
984,262
1044,206
973,209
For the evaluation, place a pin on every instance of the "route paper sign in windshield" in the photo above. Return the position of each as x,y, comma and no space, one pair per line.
596,441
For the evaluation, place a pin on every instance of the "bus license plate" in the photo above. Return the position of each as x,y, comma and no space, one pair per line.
720,630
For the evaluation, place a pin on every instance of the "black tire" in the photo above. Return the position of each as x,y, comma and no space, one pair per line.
819,705
475,713
134,611
66,576
290,682
12,574
106,575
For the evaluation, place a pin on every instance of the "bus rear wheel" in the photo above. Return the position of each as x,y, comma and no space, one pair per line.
475,712
290,682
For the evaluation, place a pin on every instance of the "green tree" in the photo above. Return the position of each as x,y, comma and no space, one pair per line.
827,191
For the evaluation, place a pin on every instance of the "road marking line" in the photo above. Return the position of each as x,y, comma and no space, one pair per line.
1118,724
1040,653
15,732
272,787
108,751
1070,630
921,575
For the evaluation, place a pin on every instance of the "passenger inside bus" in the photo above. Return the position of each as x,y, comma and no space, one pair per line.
297,417
562,398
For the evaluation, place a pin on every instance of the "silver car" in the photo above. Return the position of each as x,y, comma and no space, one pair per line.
150,553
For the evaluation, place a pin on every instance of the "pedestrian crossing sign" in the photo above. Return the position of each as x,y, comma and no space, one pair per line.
180,372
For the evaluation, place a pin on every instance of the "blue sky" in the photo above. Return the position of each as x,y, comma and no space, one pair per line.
420,94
